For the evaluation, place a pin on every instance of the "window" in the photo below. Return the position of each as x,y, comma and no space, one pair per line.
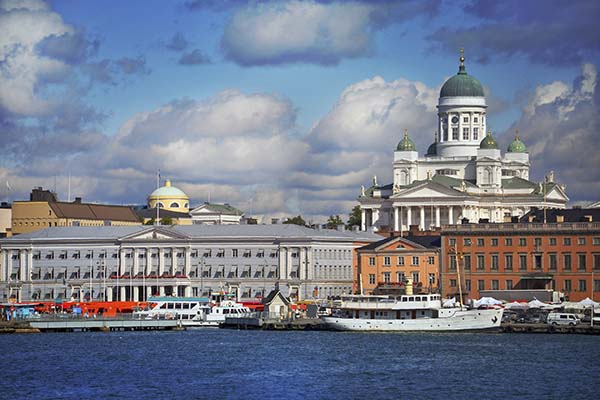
467,262
401,277
431,260
480,262
387,261
552,241
582,285
495,284
415,278
452,263
566,262
567,285
371,279
480,284
537,242
596,241
566,241
596,261
552,262
581,261
431,279
494,242
596,285
581,241
465,133
454,133
452,242
508,262
400,260
466,242
234,253
475,120
415,260
508,241
509,284
465,119
480,242
522,262
386,277
494,262
371,260
452,282
174,205
522,241
468,284
475,132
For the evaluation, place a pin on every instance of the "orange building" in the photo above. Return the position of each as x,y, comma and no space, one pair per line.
556,255
391,261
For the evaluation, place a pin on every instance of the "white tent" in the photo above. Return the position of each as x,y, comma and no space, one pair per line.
535,303
515,305
486,301
450,302
587,302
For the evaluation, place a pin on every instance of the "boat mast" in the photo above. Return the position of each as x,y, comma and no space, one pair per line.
459,257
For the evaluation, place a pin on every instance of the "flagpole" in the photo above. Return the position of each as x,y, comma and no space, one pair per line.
156,204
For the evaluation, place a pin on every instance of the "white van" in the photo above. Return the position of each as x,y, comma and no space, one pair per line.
562,319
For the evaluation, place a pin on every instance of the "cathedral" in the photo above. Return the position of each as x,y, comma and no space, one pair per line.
463,177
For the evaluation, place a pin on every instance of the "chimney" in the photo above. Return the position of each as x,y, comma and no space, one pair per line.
341,227
77,200
355,228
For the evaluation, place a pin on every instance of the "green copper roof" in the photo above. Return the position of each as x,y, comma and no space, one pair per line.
432,149
517,146
406,144
462,84
488,142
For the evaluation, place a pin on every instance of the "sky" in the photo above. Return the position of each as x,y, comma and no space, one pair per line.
281,108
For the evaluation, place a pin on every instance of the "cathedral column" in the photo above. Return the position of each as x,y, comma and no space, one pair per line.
363,219
441,128
422,218
396,219
437,216
409,216
375,218
450,215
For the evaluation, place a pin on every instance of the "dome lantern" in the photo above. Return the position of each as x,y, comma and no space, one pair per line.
462,84
517,146
406,144
488,142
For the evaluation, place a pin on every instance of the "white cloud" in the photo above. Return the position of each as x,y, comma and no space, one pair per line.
298,31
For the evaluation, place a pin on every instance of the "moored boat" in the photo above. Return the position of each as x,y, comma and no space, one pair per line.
422,312
190,311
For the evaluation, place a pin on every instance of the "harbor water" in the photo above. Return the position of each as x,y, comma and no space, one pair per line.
231,364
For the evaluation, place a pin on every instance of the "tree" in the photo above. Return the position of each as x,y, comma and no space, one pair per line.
296,221
354,217
166,221
334,221
149,222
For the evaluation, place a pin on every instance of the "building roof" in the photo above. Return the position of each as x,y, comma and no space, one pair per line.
568,215
462,84
488,142
219,208
93,211
151,213
518,183
517,146
269,299
406,144
168,191
431,242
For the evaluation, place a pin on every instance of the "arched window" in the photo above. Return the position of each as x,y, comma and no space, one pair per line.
487,176
186,205
403,177
174,205
159,205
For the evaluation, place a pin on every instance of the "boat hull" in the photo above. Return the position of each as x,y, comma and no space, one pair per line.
467,320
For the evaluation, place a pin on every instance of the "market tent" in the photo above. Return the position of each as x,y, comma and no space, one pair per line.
515,305
450,302
535,303
587,302
486,301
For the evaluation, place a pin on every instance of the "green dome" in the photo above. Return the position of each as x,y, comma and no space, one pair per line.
432,149
517,146
462,84
488,142
168,191
406,144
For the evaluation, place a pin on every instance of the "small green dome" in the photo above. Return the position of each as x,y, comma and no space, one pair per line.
406,144
432,149
462,84
517,146
167,191
488,142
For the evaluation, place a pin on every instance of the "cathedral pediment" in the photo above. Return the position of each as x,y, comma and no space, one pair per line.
428,189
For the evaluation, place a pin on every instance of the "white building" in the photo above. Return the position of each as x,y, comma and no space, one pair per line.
463,175
216,214
135,262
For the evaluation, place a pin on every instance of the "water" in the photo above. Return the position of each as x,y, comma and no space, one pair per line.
230,364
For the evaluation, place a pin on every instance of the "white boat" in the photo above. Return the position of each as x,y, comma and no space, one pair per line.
190,311
419,312
223,306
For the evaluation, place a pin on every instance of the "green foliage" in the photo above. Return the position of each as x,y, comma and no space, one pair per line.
354,217
166,221
149,222
298,220
334,221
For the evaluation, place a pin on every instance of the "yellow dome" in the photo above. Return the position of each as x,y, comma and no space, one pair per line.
169,198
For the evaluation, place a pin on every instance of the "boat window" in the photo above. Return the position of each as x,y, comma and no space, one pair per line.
411,299
417,298
178,306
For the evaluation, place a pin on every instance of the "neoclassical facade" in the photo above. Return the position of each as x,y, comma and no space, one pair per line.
134,262
463,175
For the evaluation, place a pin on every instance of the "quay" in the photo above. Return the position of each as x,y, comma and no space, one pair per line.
298,324
87,325
546,328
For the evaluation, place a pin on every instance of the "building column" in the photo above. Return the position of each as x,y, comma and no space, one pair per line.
136,261
188,262
437,216
302,258
149,291
3,263
396,219
375,218
422,218
161,261
23,266
363,219
123,293
441,129
109,293
451,215
409,216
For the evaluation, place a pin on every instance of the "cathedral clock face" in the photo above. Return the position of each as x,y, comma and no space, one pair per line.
455,120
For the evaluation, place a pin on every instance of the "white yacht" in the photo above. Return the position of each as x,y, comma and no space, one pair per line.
190,311
223,306
414,312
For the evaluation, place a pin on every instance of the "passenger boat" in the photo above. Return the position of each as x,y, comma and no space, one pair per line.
223,306
418,312
190,311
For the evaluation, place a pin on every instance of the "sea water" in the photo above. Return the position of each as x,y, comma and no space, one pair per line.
232,364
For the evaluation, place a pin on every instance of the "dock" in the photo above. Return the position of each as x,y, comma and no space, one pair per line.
584,329
88,325
297,324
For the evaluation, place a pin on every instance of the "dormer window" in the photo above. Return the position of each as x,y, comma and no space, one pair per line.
174,205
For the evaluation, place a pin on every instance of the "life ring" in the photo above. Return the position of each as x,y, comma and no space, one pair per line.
169,316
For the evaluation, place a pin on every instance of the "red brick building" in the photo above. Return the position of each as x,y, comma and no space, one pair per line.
560,255
389,262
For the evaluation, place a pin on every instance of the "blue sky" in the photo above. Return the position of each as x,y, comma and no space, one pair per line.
281,108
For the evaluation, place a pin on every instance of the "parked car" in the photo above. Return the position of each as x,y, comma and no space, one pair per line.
562,319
